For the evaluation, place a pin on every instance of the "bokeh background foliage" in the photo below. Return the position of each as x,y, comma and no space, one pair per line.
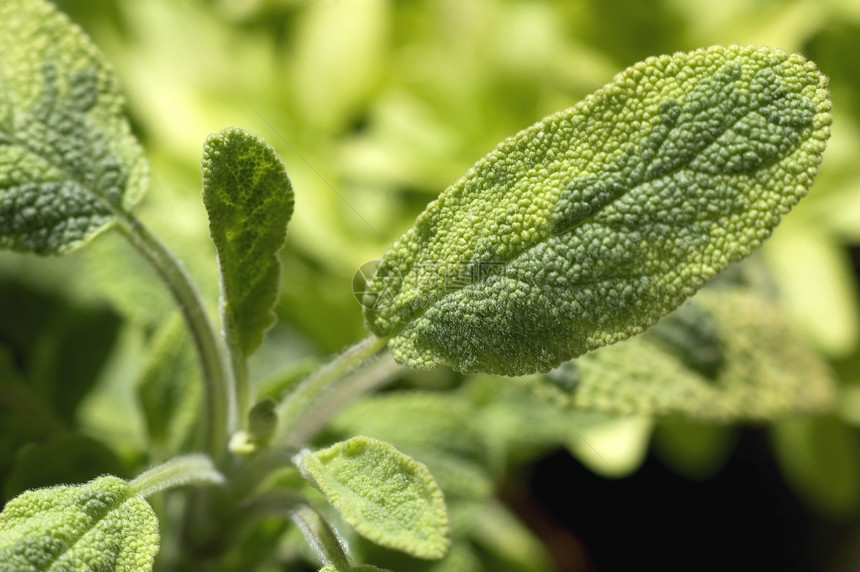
375,107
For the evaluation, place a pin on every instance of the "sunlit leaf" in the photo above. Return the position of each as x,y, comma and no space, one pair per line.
387,497
587,227
68,161
249,199
101,525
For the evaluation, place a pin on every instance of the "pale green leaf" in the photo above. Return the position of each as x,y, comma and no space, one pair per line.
587,227
439,430
101,525
387,497
726,354
612,447
249,199
68,161
818,285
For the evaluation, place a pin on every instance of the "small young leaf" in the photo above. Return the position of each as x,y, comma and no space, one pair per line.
387,497
587,227
249,199
101,525
440,430
68,161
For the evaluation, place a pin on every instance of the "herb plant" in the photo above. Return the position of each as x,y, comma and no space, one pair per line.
578,233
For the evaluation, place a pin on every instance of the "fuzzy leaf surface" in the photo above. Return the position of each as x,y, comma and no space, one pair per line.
386,496
97,526
68,160
249,199
587,227
737,359
439,430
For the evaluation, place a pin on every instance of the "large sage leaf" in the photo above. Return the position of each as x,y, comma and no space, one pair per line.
249,199
587,227
101,525
68,161
387,497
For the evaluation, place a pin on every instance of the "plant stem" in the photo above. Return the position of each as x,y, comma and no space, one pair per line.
302,401
195,468
240,372
329,547
220,416
340,393
304,410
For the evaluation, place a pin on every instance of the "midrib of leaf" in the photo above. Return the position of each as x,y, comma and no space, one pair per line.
517,254
82,534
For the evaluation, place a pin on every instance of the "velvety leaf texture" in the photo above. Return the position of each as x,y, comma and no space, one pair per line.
249,199
439,430
96,526
587,227
68,161
387,497
736,359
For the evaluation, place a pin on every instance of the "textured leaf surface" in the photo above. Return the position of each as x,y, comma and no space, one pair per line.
387,497
737,360
249,199
68,161
439,430
96,526
587,227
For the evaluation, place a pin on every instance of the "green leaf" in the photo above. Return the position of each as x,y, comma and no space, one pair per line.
249,199
169,387
739,360
387,497
68,161
439,430
820,460
587,227
101,525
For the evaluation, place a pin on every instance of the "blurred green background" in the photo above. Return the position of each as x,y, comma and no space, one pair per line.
376,106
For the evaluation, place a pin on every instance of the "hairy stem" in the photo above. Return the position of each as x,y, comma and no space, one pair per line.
239,364
340,393
220,415
195,468
330,548
308,396
311,405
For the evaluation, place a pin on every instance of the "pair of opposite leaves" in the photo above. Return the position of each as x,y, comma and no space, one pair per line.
575,233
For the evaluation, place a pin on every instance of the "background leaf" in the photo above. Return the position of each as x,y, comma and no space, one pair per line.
386,496
96,526
587,227
68,161
249,199
756,369
170,388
